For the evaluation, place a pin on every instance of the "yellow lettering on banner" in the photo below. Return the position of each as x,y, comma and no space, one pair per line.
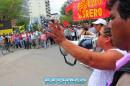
89,9
87,16
88,3
100,11
80,16
95,2
95,12
100,2
90,13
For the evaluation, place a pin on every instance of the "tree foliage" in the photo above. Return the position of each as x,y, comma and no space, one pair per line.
68,16
62,11
22,21
10,9
35,26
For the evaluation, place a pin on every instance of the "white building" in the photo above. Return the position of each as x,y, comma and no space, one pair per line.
25,8
38,8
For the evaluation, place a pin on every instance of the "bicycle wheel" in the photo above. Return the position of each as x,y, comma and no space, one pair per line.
11,49
4,51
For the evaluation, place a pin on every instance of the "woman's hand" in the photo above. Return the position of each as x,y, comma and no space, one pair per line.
57,32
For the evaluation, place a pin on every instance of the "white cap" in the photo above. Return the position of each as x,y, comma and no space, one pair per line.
100,21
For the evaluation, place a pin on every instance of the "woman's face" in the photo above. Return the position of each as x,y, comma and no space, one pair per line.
98,27
101,39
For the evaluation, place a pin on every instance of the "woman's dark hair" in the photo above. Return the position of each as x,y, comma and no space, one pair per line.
123,7
101,25
107,32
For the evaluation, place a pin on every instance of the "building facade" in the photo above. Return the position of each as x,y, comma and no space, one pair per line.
25,8
39,9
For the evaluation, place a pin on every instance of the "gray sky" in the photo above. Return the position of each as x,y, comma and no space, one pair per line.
56,5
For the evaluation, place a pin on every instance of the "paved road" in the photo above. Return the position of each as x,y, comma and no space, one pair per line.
29,67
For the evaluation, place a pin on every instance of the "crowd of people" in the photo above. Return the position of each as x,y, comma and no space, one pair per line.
74,32
112,65
27,40
109,54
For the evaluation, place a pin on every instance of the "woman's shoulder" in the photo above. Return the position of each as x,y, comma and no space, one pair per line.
124,52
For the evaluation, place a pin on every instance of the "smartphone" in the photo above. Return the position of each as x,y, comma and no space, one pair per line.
47,25
52,21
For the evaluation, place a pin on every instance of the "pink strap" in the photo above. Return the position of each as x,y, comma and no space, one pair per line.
108,83
122,61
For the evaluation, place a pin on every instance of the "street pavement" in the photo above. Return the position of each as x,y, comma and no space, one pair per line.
30,67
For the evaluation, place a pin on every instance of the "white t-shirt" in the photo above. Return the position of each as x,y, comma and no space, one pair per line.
100,77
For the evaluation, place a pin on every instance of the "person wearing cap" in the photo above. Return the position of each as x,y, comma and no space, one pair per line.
99,24
103,61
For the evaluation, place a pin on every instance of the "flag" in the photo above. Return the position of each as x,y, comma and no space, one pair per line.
68,8
65,23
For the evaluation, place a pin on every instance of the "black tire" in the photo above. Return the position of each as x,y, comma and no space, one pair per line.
11,49
4,51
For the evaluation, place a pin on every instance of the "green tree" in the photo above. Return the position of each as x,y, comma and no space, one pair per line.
67,17
10,9
22,21
62,11
35,26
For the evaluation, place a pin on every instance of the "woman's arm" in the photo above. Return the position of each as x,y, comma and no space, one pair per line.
106,60
98,60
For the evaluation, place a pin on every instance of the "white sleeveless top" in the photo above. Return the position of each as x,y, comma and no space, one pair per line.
100,77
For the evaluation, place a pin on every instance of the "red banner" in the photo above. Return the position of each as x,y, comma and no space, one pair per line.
68,8
89,9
